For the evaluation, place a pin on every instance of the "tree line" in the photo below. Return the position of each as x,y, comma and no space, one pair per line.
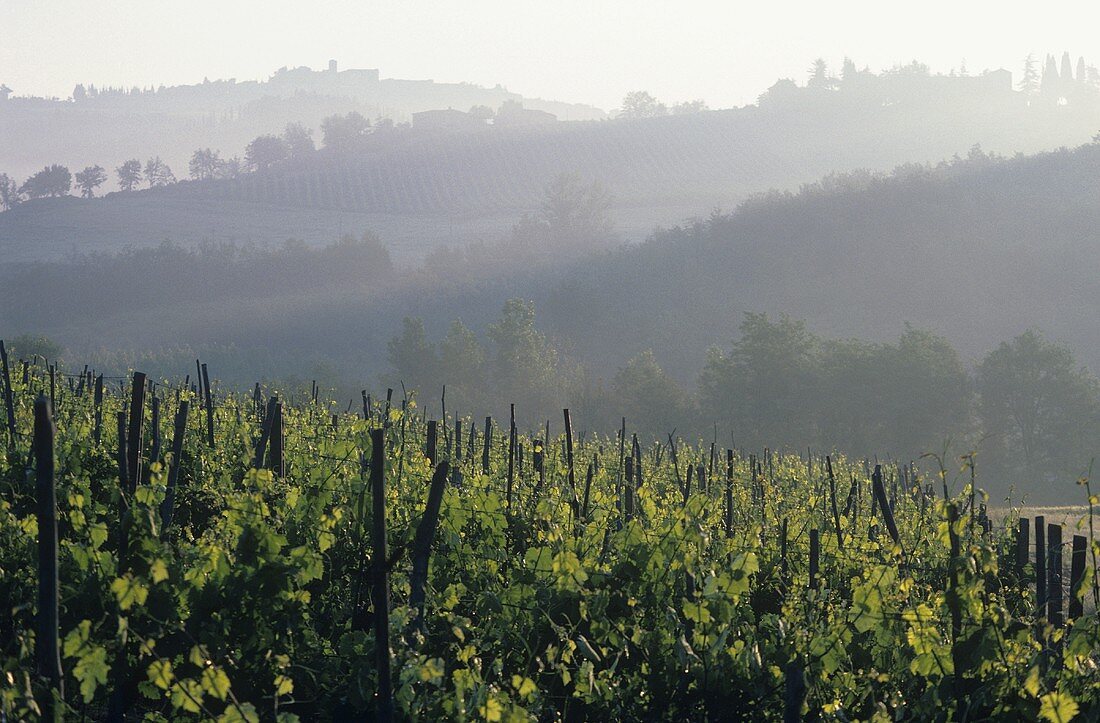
1028,408
341,132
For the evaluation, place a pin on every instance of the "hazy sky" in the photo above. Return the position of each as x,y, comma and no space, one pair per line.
590,51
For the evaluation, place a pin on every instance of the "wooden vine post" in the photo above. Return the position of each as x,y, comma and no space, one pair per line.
167,507
97,402
833,503
422,542
9,402
511,453
1077,577
209,407
879,492
569,460
136,432
278,463
432,441
383,710
1040,566
488,444
729,494
1054,576
1023,545
119,701
47,636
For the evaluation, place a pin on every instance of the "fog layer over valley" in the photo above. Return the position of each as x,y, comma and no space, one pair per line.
522,258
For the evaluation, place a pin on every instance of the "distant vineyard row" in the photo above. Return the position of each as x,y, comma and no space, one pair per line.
487,171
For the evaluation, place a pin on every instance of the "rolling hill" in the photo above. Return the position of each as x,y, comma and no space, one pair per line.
422,189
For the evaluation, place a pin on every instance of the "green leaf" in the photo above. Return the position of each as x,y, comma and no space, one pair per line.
215,682
158,570
1057,707
160,674
243,713
91,670
1031,685
187,695
76,638
128,591
283,685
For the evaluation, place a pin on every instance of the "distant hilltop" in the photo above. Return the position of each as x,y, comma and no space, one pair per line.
392,98
107,125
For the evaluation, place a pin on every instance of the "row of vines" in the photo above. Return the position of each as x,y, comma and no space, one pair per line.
239,557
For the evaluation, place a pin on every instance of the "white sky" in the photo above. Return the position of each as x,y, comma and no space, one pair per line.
591,51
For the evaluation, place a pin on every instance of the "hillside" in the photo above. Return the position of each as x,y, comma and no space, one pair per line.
422,189
978,250
110,125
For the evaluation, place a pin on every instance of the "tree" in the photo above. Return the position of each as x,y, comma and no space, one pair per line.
344,132
51,182
689,106
9,193
525,366
233,168
761,386
29,345
1038,408
412,357
79,93
1082,71
819,74
1029,82
1049,85
482,113
157,173
299,140
648,397
462,367
575,211
206,164
264,152
90,179
1067,70
640,104
848,69
129,175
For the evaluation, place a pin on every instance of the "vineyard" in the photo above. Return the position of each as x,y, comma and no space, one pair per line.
170,550
507,170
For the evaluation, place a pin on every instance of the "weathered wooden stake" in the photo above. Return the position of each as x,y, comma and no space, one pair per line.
432,441
458,440
1040,567
422,542
278,464
1077,577
9,403
265,434
511,452
98,404
488,441
383,709
832,501
209,407
884,504
729,493
47,636
168,506
136,432
1054,576
570,474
